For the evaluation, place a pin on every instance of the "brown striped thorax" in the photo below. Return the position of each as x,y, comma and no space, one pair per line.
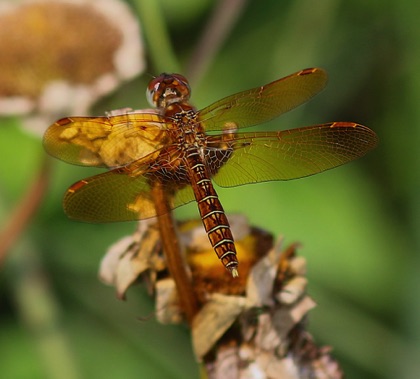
170,146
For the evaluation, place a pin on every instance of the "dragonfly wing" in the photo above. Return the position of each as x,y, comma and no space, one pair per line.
122,194
105,141
284,155
264,103
183,196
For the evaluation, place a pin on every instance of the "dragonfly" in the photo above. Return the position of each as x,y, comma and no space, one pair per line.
183,150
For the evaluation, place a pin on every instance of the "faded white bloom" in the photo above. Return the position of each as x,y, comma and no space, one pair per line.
62,56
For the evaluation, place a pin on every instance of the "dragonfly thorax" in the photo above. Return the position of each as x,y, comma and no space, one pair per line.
185,128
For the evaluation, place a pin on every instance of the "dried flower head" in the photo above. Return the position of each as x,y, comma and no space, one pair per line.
251,326
60,56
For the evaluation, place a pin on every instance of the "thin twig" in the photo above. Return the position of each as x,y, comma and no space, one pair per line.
218,27
172,250
25,209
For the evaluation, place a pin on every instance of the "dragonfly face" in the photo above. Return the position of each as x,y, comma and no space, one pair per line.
171,147
168,89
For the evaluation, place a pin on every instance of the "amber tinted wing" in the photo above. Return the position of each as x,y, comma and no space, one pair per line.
122,194
105,141
264,103
290,154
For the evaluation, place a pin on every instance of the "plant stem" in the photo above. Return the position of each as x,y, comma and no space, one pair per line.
172,251
157,36
218,28
25,209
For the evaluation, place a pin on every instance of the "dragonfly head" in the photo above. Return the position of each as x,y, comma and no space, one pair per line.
168,89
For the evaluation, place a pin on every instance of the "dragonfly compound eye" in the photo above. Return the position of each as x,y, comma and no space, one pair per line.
167,89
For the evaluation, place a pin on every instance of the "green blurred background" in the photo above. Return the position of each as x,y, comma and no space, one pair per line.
358,224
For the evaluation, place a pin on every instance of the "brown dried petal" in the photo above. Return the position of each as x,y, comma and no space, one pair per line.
131,256
216,316
313,361
286,317
168,310
293,290
109,264
226,365
261,279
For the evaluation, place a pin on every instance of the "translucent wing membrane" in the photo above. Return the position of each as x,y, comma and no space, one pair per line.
168,149
123,194
144,148
264,103
105,141
290,154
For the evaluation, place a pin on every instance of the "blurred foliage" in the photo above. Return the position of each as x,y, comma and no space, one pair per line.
359,224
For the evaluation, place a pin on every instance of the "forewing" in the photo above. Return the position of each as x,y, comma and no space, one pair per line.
290,154
105,141
264,103
122,194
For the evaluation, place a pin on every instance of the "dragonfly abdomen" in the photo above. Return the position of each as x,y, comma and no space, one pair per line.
213,216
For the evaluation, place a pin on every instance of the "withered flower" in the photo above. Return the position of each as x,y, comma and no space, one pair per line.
251,326
58,57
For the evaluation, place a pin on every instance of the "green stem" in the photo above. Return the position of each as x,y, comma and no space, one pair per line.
157,37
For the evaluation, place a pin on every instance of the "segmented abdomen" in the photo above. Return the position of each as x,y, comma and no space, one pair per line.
214,219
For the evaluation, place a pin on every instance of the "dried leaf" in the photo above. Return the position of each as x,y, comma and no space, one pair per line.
261,279
131,256
168,310
216,316
293,290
